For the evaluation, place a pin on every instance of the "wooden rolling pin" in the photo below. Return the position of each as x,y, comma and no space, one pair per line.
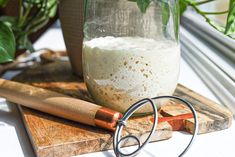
59,105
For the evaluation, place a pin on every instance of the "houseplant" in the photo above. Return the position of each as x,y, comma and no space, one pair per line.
15,31
14,34
228,30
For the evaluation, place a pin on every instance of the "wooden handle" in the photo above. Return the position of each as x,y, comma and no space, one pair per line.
58,104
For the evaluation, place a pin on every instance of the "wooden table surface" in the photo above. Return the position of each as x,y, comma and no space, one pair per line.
53,136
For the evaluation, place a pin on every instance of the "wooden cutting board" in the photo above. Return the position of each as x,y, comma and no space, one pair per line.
56,137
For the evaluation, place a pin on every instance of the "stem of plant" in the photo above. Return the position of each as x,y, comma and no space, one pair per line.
39,25
215,13
203,2
29,22
25,16
21,9
206,18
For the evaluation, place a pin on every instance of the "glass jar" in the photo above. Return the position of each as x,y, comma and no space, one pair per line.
130,51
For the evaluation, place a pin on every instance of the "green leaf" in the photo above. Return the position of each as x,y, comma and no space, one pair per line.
52,6
142,4
25,43
9,20
7,43
231,2
165,15
3,3
183,6
230,26
176,18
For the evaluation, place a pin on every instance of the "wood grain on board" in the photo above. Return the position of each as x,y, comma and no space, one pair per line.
52,136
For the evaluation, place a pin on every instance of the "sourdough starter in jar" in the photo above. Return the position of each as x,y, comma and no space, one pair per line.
119,71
